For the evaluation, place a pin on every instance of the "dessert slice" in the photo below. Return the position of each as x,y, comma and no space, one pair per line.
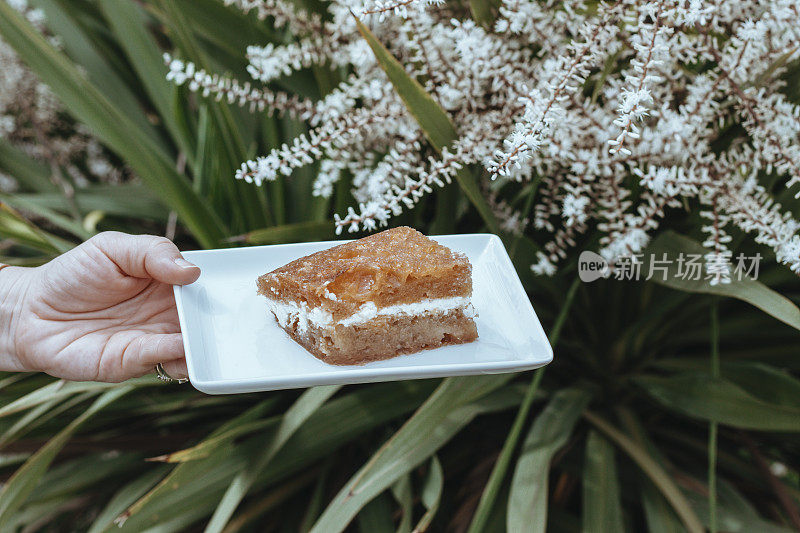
392,293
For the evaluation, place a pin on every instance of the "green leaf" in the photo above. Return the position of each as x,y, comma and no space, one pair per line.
212,466
401,490
271,500
29,173
482,12
61,390
295,417
702,396
215,442
43,513
298,232
246,423
12,459
125,497
127,21
736,515
111,126
431,494
713,427
24,480
79,47
227,27
452,406
75,476
650,467
748,290
9,379
126,200
51,216
527,502
339,421
249,201
494,485
433,120
15,226
186,495
316,500
39,415
376,516
602,510
35,398
660,516
764,382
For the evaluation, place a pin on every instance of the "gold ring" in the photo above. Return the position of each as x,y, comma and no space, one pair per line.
166,378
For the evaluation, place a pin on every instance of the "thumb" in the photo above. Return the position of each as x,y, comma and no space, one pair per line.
146,256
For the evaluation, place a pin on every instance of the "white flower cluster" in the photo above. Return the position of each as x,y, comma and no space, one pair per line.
650,45
400,8
230,90
33,121
282,14
620,110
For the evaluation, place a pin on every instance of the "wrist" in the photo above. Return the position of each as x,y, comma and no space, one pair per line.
14,283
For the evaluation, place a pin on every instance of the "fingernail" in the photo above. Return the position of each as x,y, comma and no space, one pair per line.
183,263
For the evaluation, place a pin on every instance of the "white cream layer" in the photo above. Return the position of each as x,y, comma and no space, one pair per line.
287,313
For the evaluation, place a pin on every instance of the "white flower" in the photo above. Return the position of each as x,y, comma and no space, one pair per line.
789,252
450,97
7,125
778,469
543,267
606,108
574,209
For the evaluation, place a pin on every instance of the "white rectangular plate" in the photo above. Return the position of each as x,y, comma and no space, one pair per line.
233,343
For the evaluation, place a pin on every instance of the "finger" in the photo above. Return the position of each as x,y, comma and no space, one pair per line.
152,348
146,256
177,369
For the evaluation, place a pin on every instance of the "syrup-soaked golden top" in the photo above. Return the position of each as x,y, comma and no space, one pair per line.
399,265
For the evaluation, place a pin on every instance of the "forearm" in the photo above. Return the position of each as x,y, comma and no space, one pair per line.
13,286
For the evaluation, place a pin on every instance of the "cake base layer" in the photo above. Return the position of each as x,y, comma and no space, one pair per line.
384,336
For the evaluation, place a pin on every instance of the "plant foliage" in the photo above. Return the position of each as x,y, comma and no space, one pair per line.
613,435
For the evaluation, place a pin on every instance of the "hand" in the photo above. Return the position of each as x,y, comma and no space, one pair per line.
104,311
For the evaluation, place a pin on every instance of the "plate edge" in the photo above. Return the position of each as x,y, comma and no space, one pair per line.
177,291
